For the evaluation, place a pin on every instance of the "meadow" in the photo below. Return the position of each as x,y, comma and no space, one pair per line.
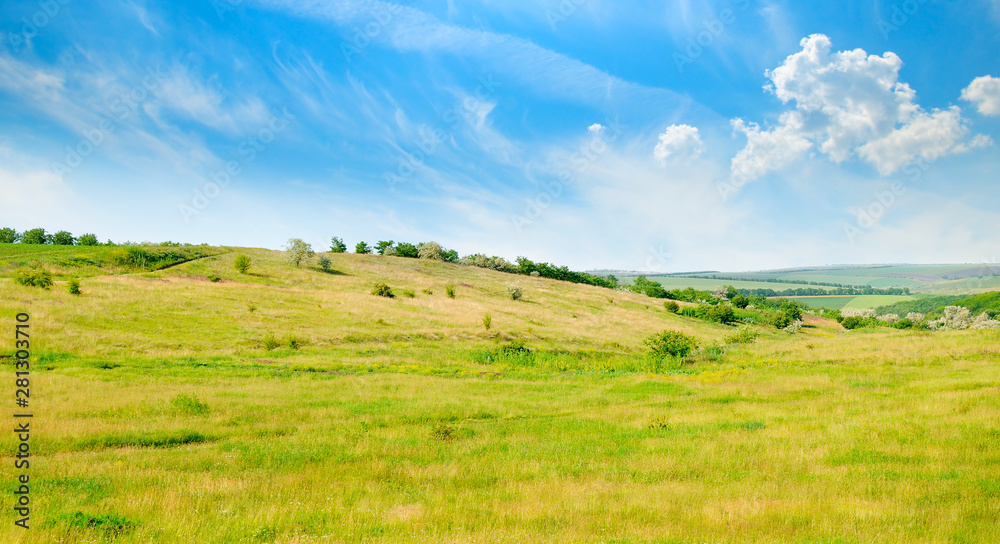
290,405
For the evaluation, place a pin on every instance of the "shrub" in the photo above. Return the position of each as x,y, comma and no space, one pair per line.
487,321
35,236
337,245
409,293
362,248
294,342
792,310
9,236
431,251
781,320
514,291
73,286
270,342
745,335
324,263
449,290
983,322
534,274
866,313
427,291
793,327
671,344
851,323
213,278
298,252
63,238
383,290
671,307
35,277
955,318
741,301
719,313
449,256
242,263
88,240
407,250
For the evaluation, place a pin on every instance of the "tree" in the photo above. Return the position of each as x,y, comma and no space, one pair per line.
362,248
449,256
298,252
431,251
63,238
88,240
337,245
9,236
35,236
383,245
242,263
407,250
741,301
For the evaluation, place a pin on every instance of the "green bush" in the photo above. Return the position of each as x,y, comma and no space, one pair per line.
63,238
324,263
781,320
88,240
73,286
270,342
213,278
851,323
35,277
487,321
427,291
741,301
294,342
35,236
242,263
408,293
449,290
718,313
514,291
9,236
746,335
404,249
362,248
383,290
671,307
671,344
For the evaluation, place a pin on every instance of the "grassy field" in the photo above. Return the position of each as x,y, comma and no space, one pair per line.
681,282
162,416
829,303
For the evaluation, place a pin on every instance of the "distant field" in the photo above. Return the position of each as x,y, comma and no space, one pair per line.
829,303
681,282
874,301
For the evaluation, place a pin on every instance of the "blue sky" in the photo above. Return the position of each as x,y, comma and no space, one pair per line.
691,135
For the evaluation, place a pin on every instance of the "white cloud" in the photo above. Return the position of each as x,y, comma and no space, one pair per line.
596,128
984,92
848,104
679,142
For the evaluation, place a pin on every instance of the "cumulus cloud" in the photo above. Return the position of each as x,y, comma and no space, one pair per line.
847,104
679,142
596,128
984,92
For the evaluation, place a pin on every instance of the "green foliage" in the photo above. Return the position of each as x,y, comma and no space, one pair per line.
73,286
781,320
514,291
34,277
851,323
720,313
487,321
745,335
362,248
337,245
741,301
324,263
294,342
382,290
242,263
88,240
404,249
450,290
142,258
213,278
672,307
449,256
63,238
35,236
112,525
427,291
298,252
385,245
189,404
671,344
408,293
9,236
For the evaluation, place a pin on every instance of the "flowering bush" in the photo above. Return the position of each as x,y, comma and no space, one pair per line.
956,318
866,313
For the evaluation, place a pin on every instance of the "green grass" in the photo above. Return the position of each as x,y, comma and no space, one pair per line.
829,303
874,301
162,417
